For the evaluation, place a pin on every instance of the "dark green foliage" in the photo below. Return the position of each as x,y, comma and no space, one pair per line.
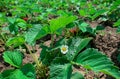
13,57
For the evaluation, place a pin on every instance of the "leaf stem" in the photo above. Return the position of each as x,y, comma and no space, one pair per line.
74,63
33,55
4,39
52,40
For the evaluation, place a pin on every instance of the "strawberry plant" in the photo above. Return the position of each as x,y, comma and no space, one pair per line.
25,24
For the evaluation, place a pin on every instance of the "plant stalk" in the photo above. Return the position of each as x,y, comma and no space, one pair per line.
33,56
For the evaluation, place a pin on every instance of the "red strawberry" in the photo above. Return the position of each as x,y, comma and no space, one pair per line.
74,30
26,19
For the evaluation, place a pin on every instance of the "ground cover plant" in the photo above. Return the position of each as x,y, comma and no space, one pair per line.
59,39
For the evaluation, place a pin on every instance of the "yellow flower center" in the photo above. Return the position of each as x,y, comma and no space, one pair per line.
64,48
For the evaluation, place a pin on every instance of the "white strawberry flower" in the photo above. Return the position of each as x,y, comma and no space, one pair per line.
64,49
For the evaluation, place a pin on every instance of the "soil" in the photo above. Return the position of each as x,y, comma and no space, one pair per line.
1,46
2,64
108,43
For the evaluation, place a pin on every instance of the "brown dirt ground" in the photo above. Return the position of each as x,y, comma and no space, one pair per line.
108,43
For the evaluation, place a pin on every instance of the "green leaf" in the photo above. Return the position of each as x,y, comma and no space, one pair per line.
26,72
117,23
98,13
60,22
1,15
118,30
5,74
29,71
82,12
60,60
21,23
13,28
60,71
100,28
15,41
14,58
20,20
47,56
44,55
91,30
12,74
115,5
76,45
82,44
77,75
11,20
82,26
17,74
118,58
96,61
36,32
